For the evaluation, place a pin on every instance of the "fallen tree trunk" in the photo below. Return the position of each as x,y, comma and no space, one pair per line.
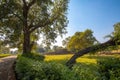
72,60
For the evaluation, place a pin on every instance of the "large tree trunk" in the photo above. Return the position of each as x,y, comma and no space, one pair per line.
26,33
72,60
26,43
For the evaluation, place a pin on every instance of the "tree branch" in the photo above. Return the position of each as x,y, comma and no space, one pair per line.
14,13
24,1
31,3
82,52
34,27
18,16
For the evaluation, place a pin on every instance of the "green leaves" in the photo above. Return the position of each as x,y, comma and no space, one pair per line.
32,69
81,40
116,32
34,17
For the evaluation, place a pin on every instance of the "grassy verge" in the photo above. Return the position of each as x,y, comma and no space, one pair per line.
4,55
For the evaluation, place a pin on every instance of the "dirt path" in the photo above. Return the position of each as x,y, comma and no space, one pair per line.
6,68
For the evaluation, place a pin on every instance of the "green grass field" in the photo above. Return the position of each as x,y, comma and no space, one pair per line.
84,59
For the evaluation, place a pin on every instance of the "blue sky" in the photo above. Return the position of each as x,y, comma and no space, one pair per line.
97,15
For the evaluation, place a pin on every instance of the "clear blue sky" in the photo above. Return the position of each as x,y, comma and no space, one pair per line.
97,15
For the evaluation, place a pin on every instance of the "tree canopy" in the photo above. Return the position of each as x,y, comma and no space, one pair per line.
81,40
116,32
21,20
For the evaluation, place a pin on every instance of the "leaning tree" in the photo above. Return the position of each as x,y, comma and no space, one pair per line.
22,19
114,41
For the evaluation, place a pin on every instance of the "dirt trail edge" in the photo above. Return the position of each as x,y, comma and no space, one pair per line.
6,68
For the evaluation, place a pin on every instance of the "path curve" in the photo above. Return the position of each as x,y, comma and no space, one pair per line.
6,68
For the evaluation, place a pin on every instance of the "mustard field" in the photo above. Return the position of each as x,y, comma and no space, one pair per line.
84,59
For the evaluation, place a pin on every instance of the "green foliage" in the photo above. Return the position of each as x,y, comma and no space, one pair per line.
117,29
30,69
86,71
26,19
35,56
4,50
81,40
65,42
109,68
116,33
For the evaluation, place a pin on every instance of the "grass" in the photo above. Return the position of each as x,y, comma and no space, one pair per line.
57,57
84,59
4,55
86,65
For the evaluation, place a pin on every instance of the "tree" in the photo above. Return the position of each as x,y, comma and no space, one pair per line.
20,19
81,40
4,49
65,42
40,49
116,32
56,48
115,40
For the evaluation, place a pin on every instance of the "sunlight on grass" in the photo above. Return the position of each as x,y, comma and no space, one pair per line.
57,57
86,60
4,55
83,59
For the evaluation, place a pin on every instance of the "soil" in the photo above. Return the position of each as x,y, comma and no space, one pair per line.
7,68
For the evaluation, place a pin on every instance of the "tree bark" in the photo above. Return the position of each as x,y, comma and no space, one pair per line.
26,43
26,33
82,52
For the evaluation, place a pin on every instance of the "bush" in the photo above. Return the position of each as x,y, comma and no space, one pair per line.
35,56
109,68
86,71
30,69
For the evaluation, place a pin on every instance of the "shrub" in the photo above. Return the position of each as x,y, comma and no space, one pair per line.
86,71
109,68
35,56
30,69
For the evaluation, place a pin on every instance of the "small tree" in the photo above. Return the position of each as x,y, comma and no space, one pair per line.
81,40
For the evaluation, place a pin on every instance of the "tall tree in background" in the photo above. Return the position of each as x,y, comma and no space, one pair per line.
65,41
20,19
81,40
116,33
